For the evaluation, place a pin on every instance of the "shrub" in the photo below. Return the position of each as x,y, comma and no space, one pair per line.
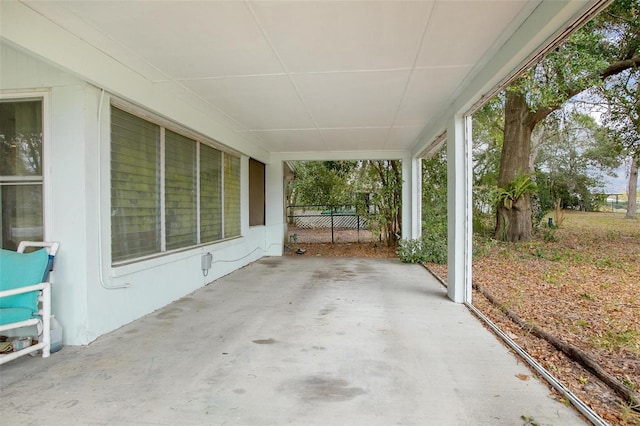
410,251
431,247
483,224
482,246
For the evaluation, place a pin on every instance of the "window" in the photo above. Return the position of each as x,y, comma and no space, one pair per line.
168,191
210,194
231,196
21,208
135,186
180,191
256,193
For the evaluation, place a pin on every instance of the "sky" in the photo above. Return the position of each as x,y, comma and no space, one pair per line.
619,184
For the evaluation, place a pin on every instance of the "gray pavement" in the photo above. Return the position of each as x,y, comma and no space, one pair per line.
292,340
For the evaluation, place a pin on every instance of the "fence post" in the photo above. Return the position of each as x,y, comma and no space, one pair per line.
331,209
358,227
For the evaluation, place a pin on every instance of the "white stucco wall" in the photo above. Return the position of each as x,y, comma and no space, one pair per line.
64,193
90,297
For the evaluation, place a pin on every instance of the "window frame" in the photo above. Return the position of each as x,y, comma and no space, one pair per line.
44,96
199,140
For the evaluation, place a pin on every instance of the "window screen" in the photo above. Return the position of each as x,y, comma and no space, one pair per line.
180,191
231,196
135,186
210,194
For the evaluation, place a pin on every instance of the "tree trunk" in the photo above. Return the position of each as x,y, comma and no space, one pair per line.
514,224
396,166
390,174
632,207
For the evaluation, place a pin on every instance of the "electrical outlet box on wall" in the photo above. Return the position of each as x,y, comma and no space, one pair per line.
207,260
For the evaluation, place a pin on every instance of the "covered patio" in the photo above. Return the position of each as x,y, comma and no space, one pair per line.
291,340
229,92
190,315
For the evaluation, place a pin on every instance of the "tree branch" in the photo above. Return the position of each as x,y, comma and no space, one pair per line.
620,66
541,114
610,71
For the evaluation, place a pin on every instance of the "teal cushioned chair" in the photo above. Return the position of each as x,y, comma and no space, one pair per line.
25,294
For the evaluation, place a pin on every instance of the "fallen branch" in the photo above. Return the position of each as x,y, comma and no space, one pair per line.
572,352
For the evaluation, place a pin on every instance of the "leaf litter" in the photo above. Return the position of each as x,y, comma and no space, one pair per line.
583,288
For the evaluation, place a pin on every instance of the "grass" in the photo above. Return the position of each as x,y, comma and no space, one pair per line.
629,415
617,340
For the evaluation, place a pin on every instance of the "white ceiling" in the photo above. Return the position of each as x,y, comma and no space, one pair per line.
304,75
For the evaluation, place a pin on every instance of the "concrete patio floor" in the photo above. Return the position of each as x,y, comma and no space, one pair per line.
292,340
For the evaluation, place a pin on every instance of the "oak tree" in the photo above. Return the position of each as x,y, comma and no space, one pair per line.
603,48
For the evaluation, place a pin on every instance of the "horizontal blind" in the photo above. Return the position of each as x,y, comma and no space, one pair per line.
231,196
210,194
180,191
135,186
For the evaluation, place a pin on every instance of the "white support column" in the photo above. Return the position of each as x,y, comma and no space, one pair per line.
411,197
274,208
417,197
468,145
459,209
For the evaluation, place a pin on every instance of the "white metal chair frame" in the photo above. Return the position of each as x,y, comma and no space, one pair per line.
44,313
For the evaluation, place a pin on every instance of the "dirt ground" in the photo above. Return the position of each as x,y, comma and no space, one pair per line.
348,243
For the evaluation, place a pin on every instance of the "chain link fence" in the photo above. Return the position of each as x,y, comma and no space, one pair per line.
326,223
